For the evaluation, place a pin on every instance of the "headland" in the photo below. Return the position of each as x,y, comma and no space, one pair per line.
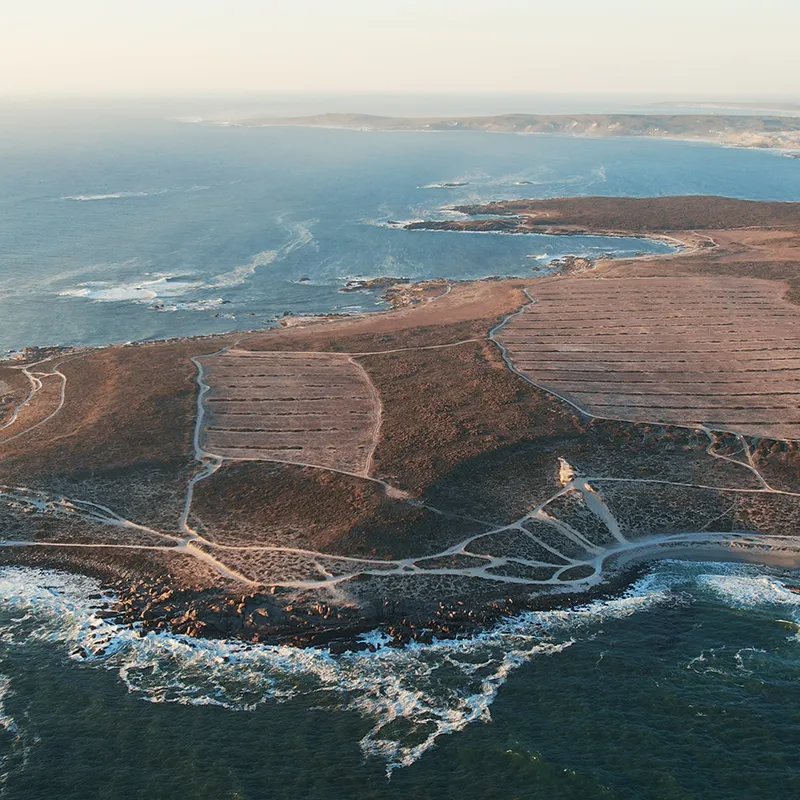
736,130
479,449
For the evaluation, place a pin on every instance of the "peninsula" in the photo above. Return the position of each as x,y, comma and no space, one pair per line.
740,130
481,448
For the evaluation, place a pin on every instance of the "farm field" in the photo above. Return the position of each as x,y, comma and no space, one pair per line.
687,350
316,409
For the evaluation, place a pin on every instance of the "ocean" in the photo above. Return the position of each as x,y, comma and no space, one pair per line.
136,223
686,687
122,227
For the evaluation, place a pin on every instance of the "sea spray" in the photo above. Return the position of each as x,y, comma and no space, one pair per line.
413,695
742,590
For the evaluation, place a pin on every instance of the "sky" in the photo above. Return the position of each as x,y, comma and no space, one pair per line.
684,48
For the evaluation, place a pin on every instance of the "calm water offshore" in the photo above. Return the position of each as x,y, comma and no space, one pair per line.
123,228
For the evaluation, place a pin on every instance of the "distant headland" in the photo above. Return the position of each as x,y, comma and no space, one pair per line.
738,130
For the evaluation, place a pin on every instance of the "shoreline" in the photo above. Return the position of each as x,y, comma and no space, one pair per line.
769,145
285,320
681,246
435,585
455,620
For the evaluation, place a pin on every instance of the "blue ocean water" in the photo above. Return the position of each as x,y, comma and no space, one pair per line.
687,687
125,227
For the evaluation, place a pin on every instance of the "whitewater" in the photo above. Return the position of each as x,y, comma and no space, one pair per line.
432,690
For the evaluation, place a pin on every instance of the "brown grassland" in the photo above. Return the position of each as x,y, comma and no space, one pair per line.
428,458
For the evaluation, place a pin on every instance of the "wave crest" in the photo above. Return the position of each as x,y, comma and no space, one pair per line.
412,695
130,194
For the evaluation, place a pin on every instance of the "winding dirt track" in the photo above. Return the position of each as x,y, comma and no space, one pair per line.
689,351
543,547
685,351
565,541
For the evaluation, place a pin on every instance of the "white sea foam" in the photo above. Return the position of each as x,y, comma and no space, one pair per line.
412,695
748,591
394,223
450,213
6,722
457,184
159,291
130,195
300,235
8,725
148,290
241,274
110,195
210,304
483,187
114,267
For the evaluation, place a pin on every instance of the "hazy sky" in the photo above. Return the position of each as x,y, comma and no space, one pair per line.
680,47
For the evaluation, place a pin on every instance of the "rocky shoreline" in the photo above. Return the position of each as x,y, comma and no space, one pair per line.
267,618
508,223
310,553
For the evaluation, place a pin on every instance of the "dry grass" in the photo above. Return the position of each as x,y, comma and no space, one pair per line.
262,503
468,311
14,388
443,407
126,408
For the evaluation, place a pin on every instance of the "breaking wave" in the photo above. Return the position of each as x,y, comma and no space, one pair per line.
457,184
300,235
740,587
6,722
412,696
159,291
241,274
129,195
110,196
749,591
144,291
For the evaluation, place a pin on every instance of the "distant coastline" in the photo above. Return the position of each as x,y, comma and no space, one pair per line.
735,130
792,108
